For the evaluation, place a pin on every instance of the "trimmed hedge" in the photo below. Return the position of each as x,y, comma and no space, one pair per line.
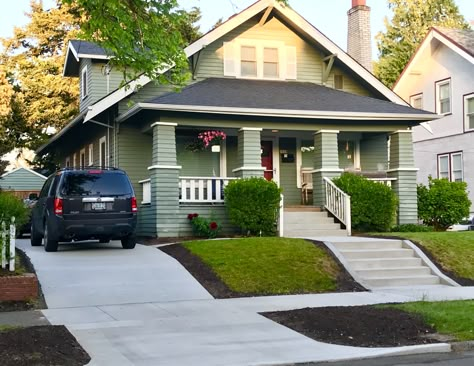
252,204
412,228
442,203
373,205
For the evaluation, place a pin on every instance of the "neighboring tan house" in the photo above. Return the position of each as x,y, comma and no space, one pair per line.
440,78
22,182
295,108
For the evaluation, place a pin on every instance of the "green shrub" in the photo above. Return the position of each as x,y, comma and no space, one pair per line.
12,206
442,203
373,205
208,228
252,204
411,228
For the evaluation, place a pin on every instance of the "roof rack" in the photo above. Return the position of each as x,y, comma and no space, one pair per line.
88,167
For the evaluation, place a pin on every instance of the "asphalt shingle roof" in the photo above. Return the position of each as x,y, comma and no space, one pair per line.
463,38
88,48
264,94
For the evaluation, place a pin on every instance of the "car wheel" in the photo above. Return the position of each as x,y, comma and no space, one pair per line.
35,237
104,241
49,245
129,242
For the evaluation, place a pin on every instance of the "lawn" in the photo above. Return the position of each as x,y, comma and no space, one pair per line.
454,251
447,317
269,265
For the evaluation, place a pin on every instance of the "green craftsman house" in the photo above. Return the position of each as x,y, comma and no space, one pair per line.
294,107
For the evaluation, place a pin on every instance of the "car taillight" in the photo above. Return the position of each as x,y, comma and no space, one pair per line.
58,206
134,204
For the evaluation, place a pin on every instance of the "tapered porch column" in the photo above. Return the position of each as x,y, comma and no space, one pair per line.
164,179
249,153
402,167
326,163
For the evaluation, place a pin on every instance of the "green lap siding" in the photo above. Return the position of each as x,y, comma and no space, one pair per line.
216,212
374,153
21,180
231,153
196,164
291,192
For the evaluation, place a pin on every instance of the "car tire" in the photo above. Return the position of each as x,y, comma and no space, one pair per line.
104,241
35,237
49,245
129,242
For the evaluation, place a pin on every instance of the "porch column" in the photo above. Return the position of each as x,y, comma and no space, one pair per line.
164,179
249,153
326,163
402,167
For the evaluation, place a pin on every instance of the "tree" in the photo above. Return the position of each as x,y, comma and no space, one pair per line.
409,25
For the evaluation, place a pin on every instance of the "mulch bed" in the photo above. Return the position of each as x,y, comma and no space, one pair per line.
460,280
358,326
218,289
40,346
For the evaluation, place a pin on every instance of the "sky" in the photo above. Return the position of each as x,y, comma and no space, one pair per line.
329,16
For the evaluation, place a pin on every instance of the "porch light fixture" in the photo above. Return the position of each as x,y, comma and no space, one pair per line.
275,131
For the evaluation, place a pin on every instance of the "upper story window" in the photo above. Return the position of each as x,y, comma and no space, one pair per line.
443,96
450,166
84,82
338,82
259,59
469,112
416,101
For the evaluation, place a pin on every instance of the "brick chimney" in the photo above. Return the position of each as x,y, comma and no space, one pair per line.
359,37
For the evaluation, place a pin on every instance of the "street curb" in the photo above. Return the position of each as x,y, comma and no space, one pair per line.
462,346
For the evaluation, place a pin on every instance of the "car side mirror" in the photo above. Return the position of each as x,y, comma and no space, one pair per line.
33,196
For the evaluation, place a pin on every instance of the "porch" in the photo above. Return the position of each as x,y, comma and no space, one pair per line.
182,180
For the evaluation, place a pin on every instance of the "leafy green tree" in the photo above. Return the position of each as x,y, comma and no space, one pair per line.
410,23
442,203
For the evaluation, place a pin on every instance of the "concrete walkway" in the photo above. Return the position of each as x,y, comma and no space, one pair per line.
98,295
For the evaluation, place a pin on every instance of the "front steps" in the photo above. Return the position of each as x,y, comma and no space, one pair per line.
385,263
308,222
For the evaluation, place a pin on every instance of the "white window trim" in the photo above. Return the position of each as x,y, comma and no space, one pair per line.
466,114
450,157
103,140
67,163
438,102
81,153
415,97
91,154
84,91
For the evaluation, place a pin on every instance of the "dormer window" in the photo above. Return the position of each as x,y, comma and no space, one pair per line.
261,59
84,83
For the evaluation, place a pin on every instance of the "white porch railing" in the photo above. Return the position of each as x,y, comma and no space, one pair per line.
338,203
280,216
7,242
146,191
386,181
203,189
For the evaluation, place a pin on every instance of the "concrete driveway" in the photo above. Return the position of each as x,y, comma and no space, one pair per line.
91,274
141,307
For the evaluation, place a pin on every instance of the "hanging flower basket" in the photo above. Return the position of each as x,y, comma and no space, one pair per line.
205,140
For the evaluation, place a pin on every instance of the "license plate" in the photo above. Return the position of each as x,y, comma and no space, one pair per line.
98,205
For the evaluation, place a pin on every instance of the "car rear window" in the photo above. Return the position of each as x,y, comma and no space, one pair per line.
95,184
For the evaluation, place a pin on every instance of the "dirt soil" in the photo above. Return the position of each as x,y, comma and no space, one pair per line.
209,279
359,326
41,346
461,280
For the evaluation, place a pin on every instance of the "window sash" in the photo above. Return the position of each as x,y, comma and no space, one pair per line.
444,97
469,108
417,102
457,169
270,62
443,166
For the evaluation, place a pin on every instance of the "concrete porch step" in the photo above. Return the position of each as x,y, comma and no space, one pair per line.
403,281
382,244
302,209
313,226
394,272
377,253
314,233
379,263
308,220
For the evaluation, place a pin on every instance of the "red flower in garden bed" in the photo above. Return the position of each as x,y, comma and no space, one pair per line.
213,225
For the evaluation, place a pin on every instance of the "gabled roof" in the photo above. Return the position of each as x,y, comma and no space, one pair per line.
26,169
278,98
292,18
81,49
460,41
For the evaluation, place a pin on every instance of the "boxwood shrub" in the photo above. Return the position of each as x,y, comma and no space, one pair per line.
373,205
252,204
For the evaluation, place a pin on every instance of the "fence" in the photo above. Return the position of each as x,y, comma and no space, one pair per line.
7,242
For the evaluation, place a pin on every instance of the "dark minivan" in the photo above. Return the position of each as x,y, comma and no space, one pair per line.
83,204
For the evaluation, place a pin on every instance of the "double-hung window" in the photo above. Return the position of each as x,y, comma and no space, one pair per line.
469,112
248,61
84,86
416,101
450,166
270,63
443,96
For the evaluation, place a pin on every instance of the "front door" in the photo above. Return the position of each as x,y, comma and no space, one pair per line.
267,159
